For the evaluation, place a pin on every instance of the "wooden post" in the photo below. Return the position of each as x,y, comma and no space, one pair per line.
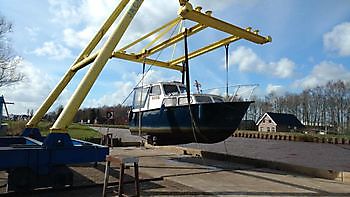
105,182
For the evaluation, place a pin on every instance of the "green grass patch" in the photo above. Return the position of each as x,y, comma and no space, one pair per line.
15,127
75,130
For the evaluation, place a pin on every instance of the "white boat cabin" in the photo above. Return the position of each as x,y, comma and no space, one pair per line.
153,96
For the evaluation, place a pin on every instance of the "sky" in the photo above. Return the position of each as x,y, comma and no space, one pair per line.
311,45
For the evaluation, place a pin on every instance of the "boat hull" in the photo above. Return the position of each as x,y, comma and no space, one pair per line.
213,122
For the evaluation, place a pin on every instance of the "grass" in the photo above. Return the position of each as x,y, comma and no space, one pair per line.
75,130
15,127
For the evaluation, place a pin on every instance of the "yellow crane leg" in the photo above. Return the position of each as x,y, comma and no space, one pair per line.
33,122
85,85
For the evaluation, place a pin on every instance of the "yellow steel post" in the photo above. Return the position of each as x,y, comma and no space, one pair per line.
85,85
70,73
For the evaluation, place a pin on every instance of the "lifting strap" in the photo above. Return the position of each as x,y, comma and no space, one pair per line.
188,92
183,72
143,75
227,64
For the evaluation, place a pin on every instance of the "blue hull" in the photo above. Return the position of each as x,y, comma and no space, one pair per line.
214,122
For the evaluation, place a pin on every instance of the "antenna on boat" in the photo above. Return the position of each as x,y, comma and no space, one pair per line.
198,86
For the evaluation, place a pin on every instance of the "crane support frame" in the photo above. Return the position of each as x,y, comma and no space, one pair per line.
99,58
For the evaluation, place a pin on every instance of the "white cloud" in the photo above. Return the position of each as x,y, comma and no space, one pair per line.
322,73
275,89
338,40
32,32
53,50
65,12
248,61
29,93
78,39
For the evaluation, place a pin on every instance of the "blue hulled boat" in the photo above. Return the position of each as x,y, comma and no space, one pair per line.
162,112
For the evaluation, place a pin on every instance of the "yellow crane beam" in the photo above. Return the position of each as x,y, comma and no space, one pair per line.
136,58
206,49
187,12
129,57
173,40
174,21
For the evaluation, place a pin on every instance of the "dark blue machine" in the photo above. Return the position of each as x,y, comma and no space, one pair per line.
34,161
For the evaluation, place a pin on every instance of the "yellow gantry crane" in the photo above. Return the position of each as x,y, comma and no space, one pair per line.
107,51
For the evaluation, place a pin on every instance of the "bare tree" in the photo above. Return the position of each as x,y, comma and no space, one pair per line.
8,62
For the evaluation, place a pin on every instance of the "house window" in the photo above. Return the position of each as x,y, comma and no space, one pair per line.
270,121
263,121
268,129
261,128
273,129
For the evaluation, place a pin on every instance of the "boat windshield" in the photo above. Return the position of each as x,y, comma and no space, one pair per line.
140,96
218,99
182,89
170,89
203,99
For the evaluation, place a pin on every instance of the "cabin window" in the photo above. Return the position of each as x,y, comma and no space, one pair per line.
218,99
140,96
155,90
170,89
203,99
183,100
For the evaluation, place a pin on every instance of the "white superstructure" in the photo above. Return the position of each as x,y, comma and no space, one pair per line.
155,95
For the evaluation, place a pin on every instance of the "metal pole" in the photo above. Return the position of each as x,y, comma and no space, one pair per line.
227,56
187,68
70,73
85,85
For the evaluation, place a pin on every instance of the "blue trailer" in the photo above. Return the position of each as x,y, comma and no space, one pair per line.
33,161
